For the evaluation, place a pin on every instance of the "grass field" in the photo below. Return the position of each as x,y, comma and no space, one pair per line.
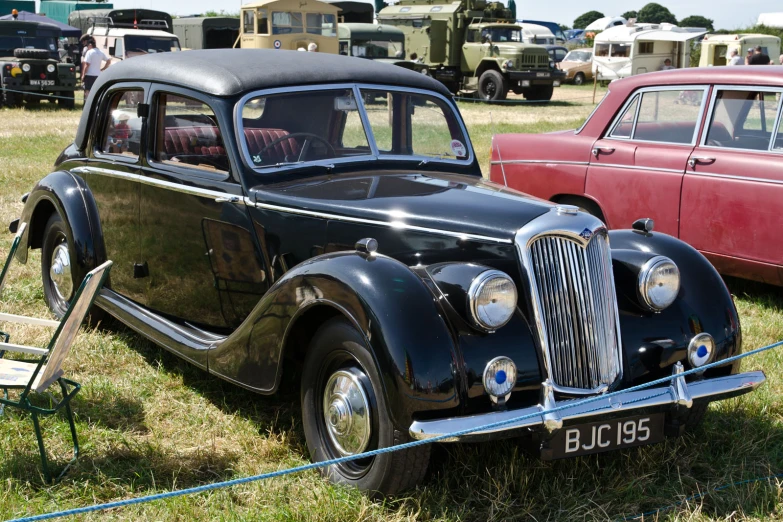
149,422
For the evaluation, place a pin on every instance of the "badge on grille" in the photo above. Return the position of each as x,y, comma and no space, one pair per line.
586,234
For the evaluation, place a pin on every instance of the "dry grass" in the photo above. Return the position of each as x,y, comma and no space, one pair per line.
149,422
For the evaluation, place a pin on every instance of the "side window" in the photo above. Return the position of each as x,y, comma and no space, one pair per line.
187,134
743,119
602,49
624,126
646,47
263,22
669,116
122,130
119,48
248,22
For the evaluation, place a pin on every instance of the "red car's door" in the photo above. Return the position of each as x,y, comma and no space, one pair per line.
637,167
733,188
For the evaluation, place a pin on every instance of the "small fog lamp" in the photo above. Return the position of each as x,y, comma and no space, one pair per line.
26,67
701,350
500,375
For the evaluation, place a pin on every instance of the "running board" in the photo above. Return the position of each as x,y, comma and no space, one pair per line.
184,340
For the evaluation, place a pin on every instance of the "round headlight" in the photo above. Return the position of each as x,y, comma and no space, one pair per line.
26,67
50,67
492,299
509,64
659,283
701,350
551,64
500,375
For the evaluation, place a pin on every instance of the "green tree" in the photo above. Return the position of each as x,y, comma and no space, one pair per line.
587,19
630,14
654,13
564,27
697,21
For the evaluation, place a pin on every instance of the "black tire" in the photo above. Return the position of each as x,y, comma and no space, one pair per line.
66,100
695,415
11,99
56,234
540,93
33,54
492,86
579,79
584,204
338,347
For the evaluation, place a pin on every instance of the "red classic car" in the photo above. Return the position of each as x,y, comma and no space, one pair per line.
698,150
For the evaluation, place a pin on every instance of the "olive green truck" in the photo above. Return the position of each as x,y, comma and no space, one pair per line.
474,45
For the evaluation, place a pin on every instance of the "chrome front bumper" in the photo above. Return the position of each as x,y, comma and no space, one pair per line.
678,394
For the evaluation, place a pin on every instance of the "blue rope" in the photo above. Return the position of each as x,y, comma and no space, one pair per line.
381,451
700,495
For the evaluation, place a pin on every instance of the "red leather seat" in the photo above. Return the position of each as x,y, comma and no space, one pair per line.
284,150
204,141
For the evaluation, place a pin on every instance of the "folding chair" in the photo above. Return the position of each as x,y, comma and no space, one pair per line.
37,375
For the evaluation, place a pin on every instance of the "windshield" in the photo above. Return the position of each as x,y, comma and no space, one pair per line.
9,43
400,124
501,34
578,56
377,49
150,44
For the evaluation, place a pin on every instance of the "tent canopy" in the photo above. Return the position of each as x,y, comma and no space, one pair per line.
26,16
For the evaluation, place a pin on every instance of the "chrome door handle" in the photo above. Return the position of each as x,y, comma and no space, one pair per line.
604,150
695,160
227,199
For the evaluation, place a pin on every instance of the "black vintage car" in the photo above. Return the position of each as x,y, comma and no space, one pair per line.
264,218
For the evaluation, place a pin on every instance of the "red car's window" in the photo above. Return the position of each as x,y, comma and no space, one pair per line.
624,127
744,119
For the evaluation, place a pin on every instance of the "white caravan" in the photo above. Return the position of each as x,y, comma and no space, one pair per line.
627,50
716,48
607,22
537,34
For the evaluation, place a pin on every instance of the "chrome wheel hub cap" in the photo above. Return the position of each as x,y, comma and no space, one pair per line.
60,272
347,412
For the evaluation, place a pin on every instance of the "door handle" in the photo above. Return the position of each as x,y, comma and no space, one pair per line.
227,199
695,160
602,150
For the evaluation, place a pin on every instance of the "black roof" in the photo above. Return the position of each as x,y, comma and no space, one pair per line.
229,72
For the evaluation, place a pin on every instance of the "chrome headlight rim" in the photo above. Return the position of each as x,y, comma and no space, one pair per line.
50,68
647,271
474,291
26,67
705,340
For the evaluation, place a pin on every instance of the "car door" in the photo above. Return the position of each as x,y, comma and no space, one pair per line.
111,173
733,187
197,241
636,168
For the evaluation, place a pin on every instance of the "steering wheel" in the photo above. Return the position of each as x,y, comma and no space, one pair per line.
305,148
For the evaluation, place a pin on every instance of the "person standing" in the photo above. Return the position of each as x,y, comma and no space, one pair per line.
734,58
759,58
92,65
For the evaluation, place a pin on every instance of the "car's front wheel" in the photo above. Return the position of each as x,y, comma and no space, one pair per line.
579,79
344,413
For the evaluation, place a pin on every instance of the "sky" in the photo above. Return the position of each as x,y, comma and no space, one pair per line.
727,14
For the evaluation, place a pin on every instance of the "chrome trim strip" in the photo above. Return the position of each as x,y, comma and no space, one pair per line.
735,177
660,397
146,180
555,162
393,224
637,167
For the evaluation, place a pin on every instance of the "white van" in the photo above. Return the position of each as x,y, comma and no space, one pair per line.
716,48
537,34
627,50
119,43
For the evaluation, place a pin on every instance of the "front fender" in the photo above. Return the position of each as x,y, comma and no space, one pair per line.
389,304
652,342
67,195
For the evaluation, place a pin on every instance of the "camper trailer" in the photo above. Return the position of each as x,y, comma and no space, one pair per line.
716,48
627,50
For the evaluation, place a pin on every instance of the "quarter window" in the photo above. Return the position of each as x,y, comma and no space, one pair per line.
624,127
188,135
743,120
122,130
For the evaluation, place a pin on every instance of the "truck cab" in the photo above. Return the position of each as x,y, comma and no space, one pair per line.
289,24
30,70
371,41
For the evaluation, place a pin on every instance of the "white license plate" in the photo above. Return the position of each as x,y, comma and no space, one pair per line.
542,75
43,83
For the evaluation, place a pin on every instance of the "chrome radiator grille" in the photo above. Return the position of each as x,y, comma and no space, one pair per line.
577,310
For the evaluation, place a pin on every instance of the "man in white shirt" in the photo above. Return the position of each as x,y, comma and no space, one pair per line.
92,65
667,65
735,59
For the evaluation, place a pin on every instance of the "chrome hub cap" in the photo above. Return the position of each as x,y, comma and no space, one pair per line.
347,412
60,272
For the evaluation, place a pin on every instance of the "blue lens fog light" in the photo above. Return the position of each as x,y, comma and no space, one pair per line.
701,350
500,375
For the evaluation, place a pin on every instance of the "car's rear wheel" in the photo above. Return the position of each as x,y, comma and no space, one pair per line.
56,268
344,412
492,86
579,79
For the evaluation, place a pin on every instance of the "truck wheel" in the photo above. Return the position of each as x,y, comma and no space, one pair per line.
540,93
11,99
33,54
579,79
66,101
344,412
492,86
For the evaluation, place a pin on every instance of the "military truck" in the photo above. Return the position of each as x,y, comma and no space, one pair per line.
30,70
474,45
289,24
